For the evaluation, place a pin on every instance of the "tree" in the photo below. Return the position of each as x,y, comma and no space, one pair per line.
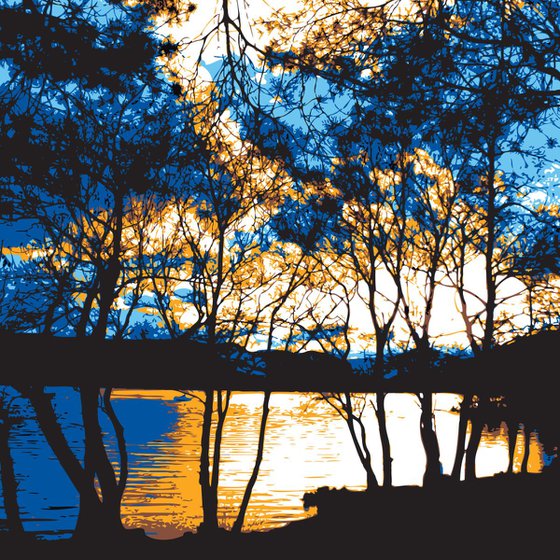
82,144
37,291
98,512
536,264
8,477
352,412
89,129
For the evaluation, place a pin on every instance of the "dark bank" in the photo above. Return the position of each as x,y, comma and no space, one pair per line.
445,505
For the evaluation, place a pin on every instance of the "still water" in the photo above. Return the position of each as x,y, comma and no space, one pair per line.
307,446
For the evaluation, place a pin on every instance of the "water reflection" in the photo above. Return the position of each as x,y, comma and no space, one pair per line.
493,452
307,446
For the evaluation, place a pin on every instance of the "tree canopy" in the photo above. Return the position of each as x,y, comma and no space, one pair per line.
344,176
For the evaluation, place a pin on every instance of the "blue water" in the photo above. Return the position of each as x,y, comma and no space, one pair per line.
47,499
308,446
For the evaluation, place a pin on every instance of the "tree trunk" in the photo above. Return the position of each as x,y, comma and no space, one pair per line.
461,437
107,513
109,277
51,309
360,444
95,516
531,312
222,412
385,442
512,440
433,470
9,482
526,449
213,317
477,426
238,525
90,519
216,458
121,442
46,417
98,461
91,523
381,335
488,339
107,288
209,497
380,343
97,519
81,327
371,479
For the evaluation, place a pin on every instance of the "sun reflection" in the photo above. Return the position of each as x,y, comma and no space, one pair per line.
307,446
493,452
535,463
163,493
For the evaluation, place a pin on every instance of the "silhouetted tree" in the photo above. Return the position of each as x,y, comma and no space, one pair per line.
103,132
89,128
99,512
9,481
352,413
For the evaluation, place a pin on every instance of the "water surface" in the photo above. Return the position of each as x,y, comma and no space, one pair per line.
307,446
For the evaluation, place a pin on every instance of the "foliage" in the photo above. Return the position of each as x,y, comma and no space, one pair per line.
339,159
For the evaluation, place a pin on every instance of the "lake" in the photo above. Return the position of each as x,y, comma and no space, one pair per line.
307,446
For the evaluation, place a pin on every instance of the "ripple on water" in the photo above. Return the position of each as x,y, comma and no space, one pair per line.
307,446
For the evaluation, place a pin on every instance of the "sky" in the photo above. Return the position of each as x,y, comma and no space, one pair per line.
201,39
447,325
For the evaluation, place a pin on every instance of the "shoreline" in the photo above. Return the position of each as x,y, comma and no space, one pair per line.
522,367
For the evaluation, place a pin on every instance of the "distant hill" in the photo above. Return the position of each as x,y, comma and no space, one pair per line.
526,364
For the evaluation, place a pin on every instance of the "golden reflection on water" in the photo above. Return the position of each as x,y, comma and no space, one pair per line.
493,452
307,446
